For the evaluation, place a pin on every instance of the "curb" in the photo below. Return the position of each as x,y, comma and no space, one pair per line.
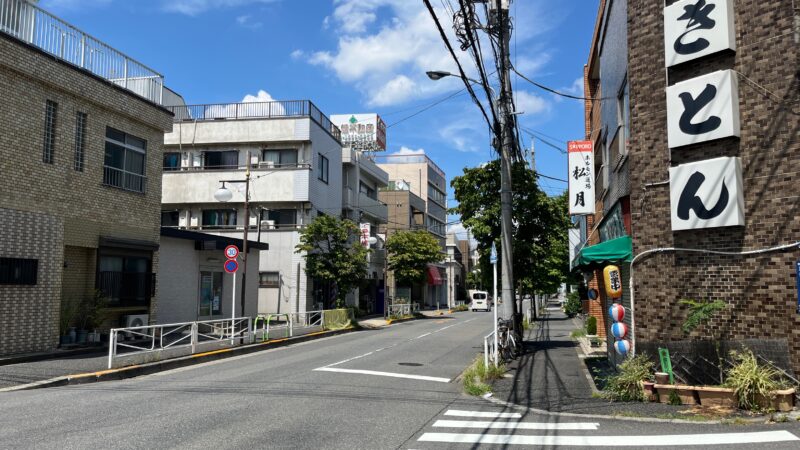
619,417
170,364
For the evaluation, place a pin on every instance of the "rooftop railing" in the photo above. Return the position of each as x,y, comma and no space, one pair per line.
29,23
421,158
257,110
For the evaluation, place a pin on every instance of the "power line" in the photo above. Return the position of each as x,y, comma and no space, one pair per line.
548,89
455,94
545,141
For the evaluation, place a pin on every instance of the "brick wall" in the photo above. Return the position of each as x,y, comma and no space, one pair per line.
759,290
83,207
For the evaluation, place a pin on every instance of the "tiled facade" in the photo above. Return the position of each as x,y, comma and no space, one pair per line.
759,290
70,209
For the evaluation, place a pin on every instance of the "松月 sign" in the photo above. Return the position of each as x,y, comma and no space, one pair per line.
581,177
703,108
696,28
707,194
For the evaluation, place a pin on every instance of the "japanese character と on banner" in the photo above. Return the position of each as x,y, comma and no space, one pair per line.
581,177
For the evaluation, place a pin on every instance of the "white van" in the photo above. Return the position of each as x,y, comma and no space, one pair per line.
479,300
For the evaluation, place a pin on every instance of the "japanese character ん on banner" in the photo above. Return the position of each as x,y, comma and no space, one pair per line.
581,177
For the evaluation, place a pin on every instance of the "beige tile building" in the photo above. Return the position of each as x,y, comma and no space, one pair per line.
81,188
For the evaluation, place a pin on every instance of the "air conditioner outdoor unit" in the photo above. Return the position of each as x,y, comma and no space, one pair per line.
136,320
267,224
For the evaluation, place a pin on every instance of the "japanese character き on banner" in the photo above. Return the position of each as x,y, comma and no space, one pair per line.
581,177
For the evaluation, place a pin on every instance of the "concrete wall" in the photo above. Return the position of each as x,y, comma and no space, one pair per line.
760,291
179,276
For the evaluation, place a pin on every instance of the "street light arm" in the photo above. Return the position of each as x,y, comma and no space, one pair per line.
439,74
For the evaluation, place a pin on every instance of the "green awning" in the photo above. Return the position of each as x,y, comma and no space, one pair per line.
608,252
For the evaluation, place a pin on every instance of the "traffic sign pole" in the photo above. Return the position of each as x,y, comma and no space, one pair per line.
233,304
493,260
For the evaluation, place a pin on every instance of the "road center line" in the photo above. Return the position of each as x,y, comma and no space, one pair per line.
384,374
395,344
593,440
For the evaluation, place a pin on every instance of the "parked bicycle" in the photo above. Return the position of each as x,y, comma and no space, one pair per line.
507,346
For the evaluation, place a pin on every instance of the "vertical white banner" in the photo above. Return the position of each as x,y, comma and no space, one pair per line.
365,228
581,177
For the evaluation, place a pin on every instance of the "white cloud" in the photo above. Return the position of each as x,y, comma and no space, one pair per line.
262,96
247,22
531,65
195,7
407,155
409,151
459,230
531,103
297,54
466,135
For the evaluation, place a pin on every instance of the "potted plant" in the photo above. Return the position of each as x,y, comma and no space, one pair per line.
66,316
757,386
591,331
629,383
92,315
573,305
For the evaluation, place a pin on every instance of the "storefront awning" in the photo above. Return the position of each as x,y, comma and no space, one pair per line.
608,252
433,275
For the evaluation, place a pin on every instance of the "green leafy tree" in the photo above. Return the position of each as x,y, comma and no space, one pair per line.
409,254
541,249
333,254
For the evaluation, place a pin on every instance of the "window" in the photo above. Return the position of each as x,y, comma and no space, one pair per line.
436,227
125,280
125,157
172,161
367,190
219,218
269,279
436,195
323,169
624,118
80,140
51,111
221,160
282,217
170,218
279,157
18,271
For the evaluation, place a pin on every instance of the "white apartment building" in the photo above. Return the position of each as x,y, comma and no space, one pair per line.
295,158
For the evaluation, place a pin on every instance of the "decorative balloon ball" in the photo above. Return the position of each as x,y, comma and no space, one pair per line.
622,347
616,312
619,330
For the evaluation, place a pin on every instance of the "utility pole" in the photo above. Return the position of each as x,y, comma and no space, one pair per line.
246,227
499,23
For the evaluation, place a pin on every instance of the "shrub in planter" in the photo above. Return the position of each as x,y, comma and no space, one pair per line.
627,385
591,326
752,381
573,305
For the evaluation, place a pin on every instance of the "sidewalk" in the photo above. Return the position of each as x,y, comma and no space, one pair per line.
551,376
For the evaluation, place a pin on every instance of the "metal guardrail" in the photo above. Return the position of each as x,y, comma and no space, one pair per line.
402,309
308,319
29,23
154,340
256,110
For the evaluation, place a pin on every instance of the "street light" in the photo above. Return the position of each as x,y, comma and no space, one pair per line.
436,75
224,195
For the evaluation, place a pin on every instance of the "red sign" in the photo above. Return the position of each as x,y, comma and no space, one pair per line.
231,266
231,252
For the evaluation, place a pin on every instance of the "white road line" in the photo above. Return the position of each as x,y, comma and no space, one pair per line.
484,414
384,374
614,441
487,425
395,345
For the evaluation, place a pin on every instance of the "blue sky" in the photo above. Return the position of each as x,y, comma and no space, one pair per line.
354,56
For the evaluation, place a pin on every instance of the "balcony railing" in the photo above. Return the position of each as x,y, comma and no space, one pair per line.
124,180
29,23
263,165
257,110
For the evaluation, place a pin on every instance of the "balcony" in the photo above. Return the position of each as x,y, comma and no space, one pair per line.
261,110
365,165
35,26
371,207
188,186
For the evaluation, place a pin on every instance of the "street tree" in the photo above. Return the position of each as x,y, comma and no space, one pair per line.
409,254
541,254
333,254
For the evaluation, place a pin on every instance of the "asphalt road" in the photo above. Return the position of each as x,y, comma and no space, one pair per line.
388,388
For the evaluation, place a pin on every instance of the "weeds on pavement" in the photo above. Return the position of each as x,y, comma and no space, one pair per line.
477,374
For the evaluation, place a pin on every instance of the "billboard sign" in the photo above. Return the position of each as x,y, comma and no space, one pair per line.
581,177
696,28
366,229
703,108
707,194
361,131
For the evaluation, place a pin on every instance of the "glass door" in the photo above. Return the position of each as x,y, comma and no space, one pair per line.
210,301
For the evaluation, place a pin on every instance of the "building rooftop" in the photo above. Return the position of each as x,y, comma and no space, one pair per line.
408,159
33,25
256,110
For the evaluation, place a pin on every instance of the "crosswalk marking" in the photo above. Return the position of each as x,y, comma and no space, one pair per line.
515,425
384,374
483,414
615,441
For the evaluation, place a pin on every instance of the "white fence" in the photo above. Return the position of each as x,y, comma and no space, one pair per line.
138,345
403,309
